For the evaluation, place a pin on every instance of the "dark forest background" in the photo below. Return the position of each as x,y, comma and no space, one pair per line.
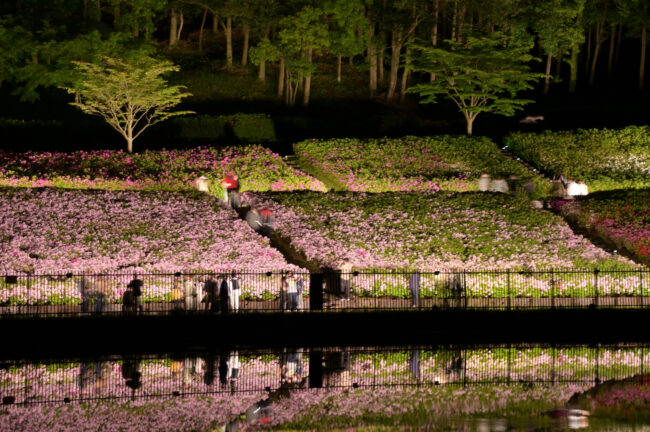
317,68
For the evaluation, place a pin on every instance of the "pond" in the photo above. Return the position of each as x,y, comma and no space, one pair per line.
470,388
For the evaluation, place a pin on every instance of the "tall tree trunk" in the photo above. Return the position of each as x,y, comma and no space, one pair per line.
396,48
181,21
573,63
215,23
434,30
461,21
227,27
339,60
547,77
598,40
261,73
588,51
281,74
307,92
618,43
372,59
116,15
610,58
454,20
173,28
642,60
405,77
205,15
244,55
380,64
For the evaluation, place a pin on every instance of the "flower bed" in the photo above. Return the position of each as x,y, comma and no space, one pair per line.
50,231
259,169
621,218
442,232
408,164
605,159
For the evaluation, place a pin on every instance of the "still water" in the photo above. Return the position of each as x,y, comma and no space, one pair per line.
479,388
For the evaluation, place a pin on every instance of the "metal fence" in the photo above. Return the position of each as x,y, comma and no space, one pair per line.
233,292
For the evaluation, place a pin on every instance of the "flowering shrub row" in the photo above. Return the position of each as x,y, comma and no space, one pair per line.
446,233
407,164
259,169
605,159
49,231
621,218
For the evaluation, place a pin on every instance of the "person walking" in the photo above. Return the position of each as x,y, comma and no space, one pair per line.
301,289
84,289
177,294
230,184
136,285
414,288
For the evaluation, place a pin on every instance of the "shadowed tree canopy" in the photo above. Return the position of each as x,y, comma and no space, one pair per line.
481,74
129,94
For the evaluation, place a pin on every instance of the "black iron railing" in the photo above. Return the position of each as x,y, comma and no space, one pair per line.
234,292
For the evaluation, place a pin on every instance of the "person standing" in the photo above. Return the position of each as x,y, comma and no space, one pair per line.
346,270
224,303
211,288
234,291
292,291
136,286
230,184
414,288
84,289
190,294
301,289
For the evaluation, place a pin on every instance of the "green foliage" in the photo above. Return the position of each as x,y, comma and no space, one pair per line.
250,128
481,74
605,159
129,94
264,51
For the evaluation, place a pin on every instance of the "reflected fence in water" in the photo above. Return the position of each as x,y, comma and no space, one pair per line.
238,374
233,292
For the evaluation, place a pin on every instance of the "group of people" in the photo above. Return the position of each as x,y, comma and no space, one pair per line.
218,294
291,292
92,291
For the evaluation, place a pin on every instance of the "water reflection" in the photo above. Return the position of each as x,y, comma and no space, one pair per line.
488,388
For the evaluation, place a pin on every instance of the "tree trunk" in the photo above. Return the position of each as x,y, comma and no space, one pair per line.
642,60
380,65
547,77
215,23
405,77
244,56
307,91
180,25
598,35
281,73
610,58
470,123
372,59
261,73
588,49
618,42
173,28
116,15
454,20
84,16
396,48
227,27
558,64
338,69
461,21
434,30
205,15
573,74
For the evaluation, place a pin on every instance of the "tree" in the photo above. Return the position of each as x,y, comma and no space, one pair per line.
264,52
130,94
482,74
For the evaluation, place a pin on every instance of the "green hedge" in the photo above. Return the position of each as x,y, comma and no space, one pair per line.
250,128
605,159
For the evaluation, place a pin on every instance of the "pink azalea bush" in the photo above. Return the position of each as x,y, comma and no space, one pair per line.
53,231
259,169
446,233
621,218
425,164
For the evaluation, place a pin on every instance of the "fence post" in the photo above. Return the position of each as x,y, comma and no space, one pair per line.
315,291
509,292
553,283
596,286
